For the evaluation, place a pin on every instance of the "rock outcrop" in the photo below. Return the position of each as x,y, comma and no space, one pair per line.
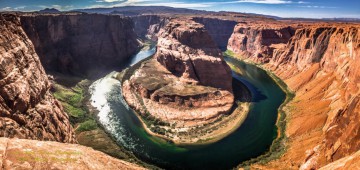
320,63
32,154
81,44
186,49
27,108
187,83
258,40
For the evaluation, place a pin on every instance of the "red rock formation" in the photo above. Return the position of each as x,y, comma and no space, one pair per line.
321,64
186,49
81,44
32,154
258,40
187,82
27,109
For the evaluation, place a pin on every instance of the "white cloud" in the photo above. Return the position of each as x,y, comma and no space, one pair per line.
302,2
6,9
20,7
315,6
264,1
180,5
151,3
110,1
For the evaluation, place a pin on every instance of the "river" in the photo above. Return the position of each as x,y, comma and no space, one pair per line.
250,140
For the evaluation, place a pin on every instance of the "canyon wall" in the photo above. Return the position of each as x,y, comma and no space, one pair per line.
219,29
258,40
320,63
81,44
147,26
27,108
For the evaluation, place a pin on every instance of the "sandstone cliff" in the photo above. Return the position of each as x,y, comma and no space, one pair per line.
27,108
186,49
32,154
186,84
258,40
81,44
320,63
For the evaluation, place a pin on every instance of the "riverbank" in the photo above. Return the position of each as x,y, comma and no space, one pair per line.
73,93
210,132
278,147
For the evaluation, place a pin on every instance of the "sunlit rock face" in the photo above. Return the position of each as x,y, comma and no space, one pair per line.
27,108
320,62
259,40
186,49
187,82
33,154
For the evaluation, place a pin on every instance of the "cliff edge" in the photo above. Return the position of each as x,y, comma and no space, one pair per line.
28,109
319,62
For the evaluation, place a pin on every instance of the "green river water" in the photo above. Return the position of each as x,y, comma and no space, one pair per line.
253,138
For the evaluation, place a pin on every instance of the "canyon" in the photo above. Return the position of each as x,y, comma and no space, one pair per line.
25,91
186,84
29,110
318,61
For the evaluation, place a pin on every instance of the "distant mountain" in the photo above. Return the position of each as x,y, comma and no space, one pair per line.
139,10
343,19
49,10
323,19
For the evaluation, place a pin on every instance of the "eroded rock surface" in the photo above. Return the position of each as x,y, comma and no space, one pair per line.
187,82
187,50
27,108
320,62
32,154
258,40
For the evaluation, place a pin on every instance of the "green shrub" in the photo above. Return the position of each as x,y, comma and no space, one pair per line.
87,126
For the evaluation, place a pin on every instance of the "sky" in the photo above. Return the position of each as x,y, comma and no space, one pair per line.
282,8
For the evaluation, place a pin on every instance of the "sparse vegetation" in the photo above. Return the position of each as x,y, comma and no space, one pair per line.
73,94
72,99
87,126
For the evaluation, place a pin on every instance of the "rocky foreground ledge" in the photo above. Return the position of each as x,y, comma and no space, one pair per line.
184,93
32,154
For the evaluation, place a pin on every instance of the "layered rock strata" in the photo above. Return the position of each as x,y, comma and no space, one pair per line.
187,82
186,49
27,108
258,41
32,154
81,44
320,63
